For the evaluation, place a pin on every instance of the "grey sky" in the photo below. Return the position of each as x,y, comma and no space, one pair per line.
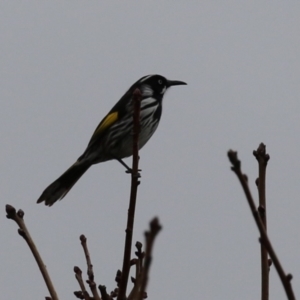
63,65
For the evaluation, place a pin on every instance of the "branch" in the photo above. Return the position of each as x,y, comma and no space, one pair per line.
18,217
285,279
134,184
262,157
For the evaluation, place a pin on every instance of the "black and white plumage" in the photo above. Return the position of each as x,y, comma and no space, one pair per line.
112,139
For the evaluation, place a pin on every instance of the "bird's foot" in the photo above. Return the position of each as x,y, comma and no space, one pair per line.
130,171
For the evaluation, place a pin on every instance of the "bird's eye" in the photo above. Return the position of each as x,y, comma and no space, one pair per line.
160,81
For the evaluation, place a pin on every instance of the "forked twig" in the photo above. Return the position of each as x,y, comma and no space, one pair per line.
138,263
285,279
84,293
18,217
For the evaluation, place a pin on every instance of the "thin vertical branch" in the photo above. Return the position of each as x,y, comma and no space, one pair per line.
134,184
263,158
285,279
18,217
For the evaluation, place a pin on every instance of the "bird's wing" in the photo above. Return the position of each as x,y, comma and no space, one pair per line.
110,119
115,115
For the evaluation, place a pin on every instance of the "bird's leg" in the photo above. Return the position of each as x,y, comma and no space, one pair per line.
128,169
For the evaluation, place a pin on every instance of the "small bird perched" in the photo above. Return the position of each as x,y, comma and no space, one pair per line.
112,138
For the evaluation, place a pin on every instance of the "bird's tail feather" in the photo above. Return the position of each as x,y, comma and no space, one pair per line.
62,185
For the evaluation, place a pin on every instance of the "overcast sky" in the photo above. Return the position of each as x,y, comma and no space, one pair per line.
64,64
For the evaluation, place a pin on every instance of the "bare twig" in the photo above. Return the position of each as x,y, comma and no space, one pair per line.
150,236
140,255
140,282
103,292
262,157
134,184
90,271
285,279
18,217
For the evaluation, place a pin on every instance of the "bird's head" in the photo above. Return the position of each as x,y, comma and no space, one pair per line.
155,85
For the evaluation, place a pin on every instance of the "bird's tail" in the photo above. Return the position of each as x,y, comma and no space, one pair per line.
62,185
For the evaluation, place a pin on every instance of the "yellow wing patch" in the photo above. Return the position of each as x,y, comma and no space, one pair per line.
107,122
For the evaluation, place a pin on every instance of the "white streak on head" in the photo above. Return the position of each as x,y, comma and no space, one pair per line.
145,78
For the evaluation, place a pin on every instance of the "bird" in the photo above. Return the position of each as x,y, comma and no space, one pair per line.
112,138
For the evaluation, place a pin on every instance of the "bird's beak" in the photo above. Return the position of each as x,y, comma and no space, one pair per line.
175,82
